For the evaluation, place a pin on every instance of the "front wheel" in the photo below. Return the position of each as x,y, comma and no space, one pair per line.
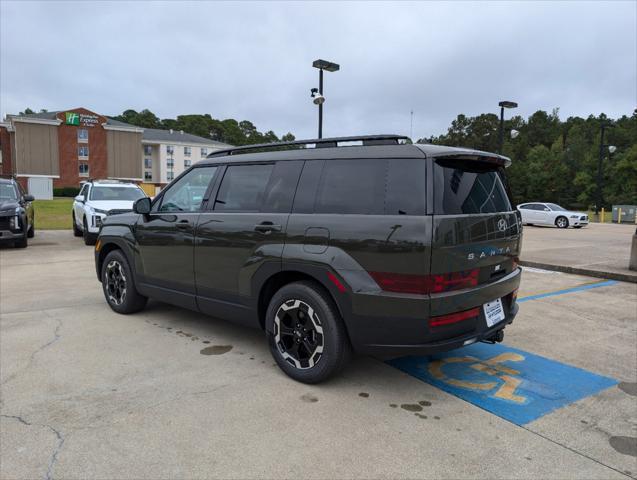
76,230
119,286
89,238
306,334
31,231
561,222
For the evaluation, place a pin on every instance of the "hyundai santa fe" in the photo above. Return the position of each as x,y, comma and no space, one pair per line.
379,247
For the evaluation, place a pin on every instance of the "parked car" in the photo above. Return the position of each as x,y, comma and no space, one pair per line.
551,214
381,248
17,219
96,200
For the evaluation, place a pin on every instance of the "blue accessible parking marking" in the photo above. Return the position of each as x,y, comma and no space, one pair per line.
510,383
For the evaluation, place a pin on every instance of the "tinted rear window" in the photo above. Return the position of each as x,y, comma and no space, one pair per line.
372,187
463,187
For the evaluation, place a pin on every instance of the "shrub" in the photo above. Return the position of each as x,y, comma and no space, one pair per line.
66,192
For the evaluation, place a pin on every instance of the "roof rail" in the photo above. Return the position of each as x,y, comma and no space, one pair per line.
367,140
9,176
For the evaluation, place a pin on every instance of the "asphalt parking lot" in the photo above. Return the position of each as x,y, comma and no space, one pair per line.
169,393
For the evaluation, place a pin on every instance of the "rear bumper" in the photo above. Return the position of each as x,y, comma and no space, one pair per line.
478,335
396,326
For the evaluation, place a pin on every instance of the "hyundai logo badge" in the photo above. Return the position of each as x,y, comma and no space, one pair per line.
502,224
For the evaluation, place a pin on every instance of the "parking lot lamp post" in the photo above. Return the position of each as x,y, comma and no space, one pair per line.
598,202
320,99
503,104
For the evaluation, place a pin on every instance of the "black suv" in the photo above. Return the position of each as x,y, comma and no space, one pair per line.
379,247
17,221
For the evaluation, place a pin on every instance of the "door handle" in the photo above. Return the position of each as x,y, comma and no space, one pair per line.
267,227
183,224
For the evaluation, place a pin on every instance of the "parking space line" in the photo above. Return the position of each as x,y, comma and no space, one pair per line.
579,288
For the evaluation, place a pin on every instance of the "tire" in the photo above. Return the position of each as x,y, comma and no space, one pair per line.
76,231
31,231
22,243
297,350
89,238
118,284
561,222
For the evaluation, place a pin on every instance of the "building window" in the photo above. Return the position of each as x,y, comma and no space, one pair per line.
170,163
148,176
170,149
82,135
148,163
187,163
82,151
170,176
204,151
83,169
187,151
148,149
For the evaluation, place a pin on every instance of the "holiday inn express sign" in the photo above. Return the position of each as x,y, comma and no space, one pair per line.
77,119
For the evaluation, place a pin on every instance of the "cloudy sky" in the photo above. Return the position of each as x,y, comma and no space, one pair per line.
253,60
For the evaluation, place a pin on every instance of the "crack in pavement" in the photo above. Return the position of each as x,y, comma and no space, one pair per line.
56,337
56,450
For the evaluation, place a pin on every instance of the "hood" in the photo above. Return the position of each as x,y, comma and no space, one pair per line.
107,205
8,205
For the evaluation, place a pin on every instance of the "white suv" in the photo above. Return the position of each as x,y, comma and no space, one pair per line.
97,199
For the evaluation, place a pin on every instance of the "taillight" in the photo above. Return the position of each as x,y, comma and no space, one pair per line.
454,317
514,296
423,284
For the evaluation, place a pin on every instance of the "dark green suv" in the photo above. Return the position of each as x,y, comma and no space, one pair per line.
363,244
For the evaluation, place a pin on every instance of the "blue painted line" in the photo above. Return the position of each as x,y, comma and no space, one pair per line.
567,290
513,384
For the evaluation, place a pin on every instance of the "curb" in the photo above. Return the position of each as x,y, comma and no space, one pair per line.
622,277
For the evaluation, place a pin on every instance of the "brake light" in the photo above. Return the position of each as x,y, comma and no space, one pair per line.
514,296
423,284
454,317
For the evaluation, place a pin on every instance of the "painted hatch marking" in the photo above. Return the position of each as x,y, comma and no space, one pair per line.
513,384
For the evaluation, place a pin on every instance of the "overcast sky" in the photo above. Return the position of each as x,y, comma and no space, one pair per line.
253,60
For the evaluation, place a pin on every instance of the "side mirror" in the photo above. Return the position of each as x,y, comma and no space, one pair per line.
28,198
142,206
546,209
79,198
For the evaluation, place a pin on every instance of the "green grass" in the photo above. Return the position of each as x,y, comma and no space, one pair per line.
53,214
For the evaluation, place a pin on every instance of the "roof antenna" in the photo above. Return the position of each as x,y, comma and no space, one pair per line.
411,126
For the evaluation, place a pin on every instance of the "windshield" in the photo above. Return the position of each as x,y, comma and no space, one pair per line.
7,192
555,207
116,193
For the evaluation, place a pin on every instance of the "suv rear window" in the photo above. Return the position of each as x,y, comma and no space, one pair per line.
372,187
468,186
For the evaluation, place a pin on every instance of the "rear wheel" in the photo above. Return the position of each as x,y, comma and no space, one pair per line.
119,286
561,222
76,230
306,334
89,238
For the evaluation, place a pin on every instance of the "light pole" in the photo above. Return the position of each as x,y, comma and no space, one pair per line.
503,104
611,149
317,95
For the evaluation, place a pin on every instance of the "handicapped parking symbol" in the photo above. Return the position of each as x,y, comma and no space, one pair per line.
503,378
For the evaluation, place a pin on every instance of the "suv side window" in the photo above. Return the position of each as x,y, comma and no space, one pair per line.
351,187
243,188
365,187
187,194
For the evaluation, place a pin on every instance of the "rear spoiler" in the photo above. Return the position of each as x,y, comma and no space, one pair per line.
499,160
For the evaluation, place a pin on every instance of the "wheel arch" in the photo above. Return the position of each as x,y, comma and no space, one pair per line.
107,245
318,276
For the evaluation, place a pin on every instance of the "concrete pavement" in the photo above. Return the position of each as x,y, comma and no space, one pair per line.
598,250
87,393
